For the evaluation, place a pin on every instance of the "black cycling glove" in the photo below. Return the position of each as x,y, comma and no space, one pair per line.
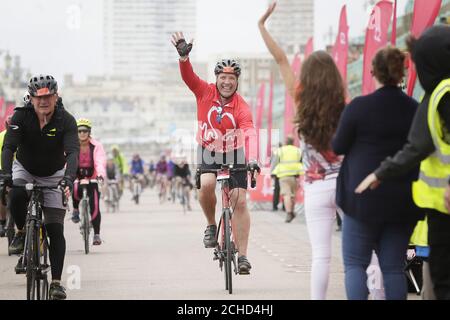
253,166
183,48
66,182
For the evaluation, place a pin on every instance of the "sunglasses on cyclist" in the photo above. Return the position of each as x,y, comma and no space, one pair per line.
83,131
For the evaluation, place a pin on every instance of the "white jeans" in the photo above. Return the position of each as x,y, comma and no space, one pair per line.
320,212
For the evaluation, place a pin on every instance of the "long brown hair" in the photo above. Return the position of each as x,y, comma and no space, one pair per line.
320,99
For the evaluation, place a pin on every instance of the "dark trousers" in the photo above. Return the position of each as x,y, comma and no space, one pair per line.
338,220
276,192
439,259
390,241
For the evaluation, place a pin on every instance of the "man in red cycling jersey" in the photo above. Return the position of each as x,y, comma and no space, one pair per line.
225,129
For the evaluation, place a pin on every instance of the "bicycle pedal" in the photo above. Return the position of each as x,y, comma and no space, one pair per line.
45,267
20,270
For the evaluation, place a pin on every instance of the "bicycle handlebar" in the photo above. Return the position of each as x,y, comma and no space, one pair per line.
88,181
32,186
224,167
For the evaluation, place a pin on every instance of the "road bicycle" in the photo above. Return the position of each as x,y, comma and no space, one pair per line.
35,259
112,196
136,188
225,250
85,211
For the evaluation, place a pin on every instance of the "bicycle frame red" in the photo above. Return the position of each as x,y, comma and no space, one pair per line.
223,176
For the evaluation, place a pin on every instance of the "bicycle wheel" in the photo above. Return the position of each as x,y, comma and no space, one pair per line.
9,230
136,192
162,193
39,247
181,196
44,267
108,199
32,262
85,215
172,193
116,199
228,250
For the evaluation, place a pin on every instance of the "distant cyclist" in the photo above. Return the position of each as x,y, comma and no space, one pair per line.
137,165
161,175
121,163
91,165
112,176
182,175
112,172
137,171
170,178
152,173
151,167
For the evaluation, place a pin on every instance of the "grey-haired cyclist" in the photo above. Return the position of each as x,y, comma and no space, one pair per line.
45,137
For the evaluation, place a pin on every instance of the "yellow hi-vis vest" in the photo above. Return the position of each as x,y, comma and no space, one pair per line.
420,234
428,191
290,162
2,138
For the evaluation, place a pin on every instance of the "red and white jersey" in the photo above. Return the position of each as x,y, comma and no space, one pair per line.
221,128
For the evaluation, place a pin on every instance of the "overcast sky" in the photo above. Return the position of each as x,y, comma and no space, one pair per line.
48,38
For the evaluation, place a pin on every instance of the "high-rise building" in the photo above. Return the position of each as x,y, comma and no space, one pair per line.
292,23
137,35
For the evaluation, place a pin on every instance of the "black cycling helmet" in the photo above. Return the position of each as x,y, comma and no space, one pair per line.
42,85
228,66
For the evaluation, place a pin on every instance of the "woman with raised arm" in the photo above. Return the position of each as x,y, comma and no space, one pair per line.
319,97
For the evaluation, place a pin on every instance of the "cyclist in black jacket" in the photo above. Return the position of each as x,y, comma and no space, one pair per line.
182,175
45,137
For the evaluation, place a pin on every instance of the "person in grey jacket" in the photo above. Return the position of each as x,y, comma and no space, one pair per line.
431,55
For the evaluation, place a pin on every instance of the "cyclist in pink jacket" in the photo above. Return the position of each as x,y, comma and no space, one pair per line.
91,165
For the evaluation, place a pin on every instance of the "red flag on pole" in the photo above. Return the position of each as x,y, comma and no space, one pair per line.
259,112
269,121
376,38
340,48
394,25
260,105
289,111
6,109
425,13
309,47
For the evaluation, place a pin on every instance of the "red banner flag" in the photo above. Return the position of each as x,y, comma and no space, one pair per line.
263,191
260,105
259,112
425,13
289,111
309,48
6,109
340,48
394,25
269,122
376,38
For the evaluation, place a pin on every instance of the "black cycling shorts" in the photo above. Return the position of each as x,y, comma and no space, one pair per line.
213,160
